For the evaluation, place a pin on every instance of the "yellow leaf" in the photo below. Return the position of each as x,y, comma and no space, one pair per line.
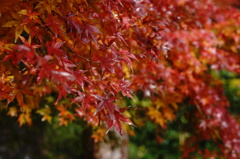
161,121
28,118
45,112
18,32
21,119
25,118
11,24
4,46
23,12
47,118
12,112
156,116
26,29
159,103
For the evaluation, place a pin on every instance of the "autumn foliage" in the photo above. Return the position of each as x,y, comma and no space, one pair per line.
95,54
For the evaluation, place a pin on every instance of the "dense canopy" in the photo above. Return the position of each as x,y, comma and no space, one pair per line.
95,57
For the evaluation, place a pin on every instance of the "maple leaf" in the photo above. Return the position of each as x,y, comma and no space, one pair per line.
157,116
64,116
46,114
114,116
81,78
98,135
123,86
28,49
30,16
25,116
13,112
106,102
54,23
107,63
126,56
54,47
